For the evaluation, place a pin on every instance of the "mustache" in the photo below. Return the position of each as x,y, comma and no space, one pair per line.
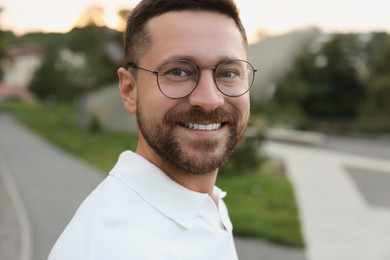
199,115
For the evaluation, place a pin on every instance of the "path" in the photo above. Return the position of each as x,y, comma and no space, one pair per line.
343,199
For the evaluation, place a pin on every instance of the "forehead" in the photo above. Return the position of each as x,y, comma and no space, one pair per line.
205,36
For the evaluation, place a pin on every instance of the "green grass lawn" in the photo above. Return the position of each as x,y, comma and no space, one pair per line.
57,124
261,203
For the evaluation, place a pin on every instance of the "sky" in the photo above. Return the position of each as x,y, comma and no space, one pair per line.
271,17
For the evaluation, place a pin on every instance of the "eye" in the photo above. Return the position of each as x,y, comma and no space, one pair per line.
230,71
178,75
177,72
229,74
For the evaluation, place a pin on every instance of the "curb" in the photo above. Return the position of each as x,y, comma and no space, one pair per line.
16,200
295,136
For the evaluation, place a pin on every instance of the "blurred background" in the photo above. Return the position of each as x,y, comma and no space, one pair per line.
318,141
311,52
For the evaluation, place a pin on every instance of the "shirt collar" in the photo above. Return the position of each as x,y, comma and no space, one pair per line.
155,187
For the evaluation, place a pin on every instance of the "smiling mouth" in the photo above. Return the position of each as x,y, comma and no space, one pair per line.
208,127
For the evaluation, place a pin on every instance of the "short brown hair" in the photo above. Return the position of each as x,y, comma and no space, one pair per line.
137,38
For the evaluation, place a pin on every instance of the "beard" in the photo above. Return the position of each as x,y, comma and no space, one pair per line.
210,153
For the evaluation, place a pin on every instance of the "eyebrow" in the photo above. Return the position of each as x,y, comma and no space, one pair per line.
195,60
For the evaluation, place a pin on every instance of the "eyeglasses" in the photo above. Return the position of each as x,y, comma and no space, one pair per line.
179,78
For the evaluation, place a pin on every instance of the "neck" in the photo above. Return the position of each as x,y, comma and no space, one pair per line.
195,182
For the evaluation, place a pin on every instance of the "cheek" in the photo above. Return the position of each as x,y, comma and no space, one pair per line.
243,105
154,104
148,96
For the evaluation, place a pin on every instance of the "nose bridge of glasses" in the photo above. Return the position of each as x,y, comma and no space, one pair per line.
206,67
206,93
200,67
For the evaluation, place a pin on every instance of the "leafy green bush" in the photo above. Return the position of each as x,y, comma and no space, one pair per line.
246,157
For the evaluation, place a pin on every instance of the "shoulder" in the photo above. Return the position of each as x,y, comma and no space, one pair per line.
78,239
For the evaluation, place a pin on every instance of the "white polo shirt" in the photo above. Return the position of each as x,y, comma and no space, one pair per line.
138,212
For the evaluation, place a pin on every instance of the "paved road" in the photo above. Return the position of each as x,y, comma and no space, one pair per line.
46,185
10,242
374,148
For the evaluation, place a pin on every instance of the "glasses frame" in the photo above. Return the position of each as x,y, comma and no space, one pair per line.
198,67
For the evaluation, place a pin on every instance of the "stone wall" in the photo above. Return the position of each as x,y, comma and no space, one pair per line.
106,108
273,57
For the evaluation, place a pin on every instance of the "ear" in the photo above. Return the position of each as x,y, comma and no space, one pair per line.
128,90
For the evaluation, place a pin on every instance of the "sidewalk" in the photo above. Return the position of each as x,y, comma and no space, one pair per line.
344,201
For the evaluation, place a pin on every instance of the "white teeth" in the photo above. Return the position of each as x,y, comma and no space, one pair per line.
209,127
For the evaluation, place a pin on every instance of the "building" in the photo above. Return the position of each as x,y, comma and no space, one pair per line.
19,68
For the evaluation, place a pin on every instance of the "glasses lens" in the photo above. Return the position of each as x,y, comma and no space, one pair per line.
234,77
177,79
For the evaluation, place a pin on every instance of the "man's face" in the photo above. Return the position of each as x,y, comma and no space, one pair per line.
198,133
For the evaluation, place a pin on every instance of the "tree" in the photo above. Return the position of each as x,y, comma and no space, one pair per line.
378,81
338,92
123,14
52,78
93,41
93,15
3,46
325,85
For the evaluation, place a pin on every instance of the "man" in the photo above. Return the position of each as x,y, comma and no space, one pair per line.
187,81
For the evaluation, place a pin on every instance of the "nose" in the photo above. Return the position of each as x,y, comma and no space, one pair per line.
206,95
